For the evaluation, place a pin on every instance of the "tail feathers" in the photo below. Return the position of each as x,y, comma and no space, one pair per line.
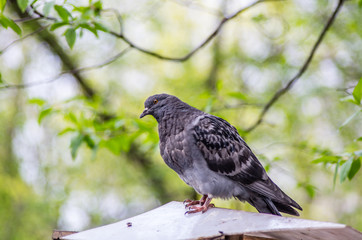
268,189
286,208
266,205
263,205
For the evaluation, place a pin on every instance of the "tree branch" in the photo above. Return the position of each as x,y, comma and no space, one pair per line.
305,66
54,45
122,36
201,45
72,71
24,37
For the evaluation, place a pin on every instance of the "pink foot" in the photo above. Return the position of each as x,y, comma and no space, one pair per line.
189,203
203,207
196,209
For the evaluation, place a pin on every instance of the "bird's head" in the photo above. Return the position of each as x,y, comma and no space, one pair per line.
156,105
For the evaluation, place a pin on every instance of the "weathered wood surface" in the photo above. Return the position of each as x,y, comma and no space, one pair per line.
57,234
169,222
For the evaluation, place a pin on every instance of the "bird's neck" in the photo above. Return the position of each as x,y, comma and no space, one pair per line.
175,120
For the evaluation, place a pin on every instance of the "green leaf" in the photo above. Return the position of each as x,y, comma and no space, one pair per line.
70,36
66,130
43,113
63,13
209,104
326,159
87,14
350,99
359,139
75,144
336,173
57,25
91,141
259,18
97,5
37,101
22,4
350,119
356,165
89,28
2,5
238,95
360,3
47,7
101,27
1,79
117,144
310,190
70,116
345,168
357,92
3,22
14,27
6,22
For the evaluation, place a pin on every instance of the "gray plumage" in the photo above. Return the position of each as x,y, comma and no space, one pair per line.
210,156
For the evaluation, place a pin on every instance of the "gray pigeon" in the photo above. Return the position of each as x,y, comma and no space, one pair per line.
209,155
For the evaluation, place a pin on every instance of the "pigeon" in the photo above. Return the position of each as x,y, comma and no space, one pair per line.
209,155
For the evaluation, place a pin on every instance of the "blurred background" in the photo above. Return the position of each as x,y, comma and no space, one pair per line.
73,153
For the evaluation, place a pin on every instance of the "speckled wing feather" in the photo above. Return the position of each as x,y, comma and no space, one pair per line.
227,153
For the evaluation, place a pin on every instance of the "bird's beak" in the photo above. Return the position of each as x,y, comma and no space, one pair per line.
145,112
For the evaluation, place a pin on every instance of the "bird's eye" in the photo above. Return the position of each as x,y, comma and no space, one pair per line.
155,101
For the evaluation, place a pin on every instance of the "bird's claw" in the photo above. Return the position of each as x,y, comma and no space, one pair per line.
189,203
196,209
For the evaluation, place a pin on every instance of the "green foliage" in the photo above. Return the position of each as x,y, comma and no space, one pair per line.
355,99
48,7
45,111
6,22
70,36
57,25
348,163
75,144
2,5
357,92
350,118
37,101
259,18
22,4
78,18
63,13
238,95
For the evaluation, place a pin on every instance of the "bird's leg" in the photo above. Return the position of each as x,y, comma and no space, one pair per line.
189,202
203,208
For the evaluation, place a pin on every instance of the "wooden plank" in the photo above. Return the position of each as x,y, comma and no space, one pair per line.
169,222
57,234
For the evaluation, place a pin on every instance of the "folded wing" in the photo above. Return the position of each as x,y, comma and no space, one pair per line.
227,153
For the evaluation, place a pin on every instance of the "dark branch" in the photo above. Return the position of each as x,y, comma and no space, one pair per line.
201,45
122,36
24,37
100,65
235,106
72,71
41,15
305,66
